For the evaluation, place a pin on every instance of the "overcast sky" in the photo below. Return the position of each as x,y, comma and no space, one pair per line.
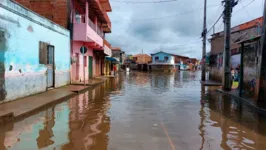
173,27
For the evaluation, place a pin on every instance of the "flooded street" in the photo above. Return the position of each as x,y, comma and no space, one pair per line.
142,111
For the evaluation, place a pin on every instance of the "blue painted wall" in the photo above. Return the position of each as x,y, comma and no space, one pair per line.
19,51
161,55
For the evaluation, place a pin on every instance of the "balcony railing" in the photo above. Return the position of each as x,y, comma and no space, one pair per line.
95,28
161,61
81,19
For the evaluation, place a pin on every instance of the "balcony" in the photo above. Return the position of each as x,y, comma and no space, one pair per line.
161,62
102,13
87,32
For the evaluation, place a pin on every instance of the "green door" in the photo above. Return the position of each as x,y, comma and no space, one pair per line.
90,67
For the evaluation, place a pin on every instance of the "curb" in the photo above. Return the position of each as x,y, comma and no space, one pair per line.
10,117
250,104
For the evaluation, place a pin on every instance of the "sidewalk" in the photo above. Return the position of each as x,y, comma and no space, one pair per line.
210,83
18,109
92,82
259,106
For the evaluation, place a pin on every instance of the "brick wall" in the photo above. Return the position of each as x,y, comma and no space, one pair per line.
55,10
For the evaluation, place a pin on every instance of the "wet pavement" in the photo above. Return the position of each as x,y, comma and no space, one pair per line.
142,111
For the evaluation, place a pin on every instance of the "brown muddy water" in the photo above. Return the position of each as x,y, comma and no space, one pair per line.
142,111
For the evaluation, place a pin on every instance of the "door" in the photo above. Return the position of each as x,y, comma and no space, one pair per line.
77,67
90,67
50,66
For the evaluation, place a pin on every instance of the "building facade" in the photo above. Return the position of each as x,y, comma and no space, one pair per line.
34,53
119,55
163,62
238,33
142,59
88,23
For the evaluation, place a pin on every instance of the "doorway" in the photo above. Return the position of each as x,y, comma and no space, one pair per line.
50,67
90,67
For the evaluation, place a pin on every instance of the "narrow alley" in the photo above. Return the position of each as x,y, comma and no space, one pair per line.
149,111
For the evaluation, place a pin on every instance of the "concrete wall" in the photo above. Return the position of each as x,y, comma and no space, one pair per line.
217,41
20,33
161,55
250,65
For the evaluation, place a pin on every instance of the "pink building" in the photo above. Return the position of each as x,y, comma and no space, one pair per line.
89,27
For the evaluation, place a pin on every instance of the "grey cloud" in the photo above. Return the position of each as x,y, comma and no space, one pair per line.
132,31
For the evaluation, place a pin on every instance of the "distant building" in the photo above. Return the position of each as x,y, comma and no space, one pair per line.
162,61
142,58
119,55
142,61
181,62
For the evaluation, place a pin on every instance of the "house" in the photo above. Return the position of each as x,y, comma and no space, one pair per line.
34,53
142,61
163,62
240,32
88,23
181,62
142,58
249,34
119,55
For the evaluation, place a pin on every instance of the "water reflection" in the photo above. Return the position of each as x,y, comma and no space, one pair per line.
121,113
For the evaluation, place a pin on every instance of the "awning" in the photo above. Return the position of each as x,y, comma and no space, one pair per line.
113,60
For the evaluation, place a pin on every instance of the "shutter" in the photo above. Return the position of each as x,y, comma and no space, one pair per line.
43,53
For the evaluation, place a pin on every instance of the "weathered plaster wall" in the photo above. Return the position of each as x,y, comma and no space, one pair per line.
23,30
250,65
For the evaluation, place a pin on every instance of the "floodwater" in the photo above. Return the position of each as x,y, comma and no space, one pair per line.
142,111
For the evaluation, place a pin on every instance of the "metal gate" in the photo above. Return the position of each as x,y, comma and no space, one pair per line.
50,66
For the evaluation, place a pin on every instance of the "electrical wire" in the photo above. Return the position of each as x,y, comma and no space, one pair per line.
141,2
244,8
162,17
215,23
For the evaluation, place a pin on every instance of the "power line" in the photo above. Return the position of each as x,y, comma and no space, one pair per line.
178,46
245,9
156,18
215,23
245,6
141,2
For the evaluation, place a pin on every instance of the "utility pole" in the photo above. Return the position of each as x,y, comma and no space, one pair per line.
203,74
227,46
261,79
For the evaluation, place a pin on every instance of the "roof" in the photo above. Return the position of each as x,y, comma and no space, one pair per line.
182,56
171,54
163,52
243,26
137,55
116,49
255,38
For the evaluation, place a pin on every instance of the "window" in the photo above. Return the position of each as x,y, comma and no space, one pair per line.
43,52
157,58
166,58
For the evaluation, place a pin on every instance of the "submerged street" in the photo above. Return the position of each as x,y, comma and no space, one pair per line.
142,111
